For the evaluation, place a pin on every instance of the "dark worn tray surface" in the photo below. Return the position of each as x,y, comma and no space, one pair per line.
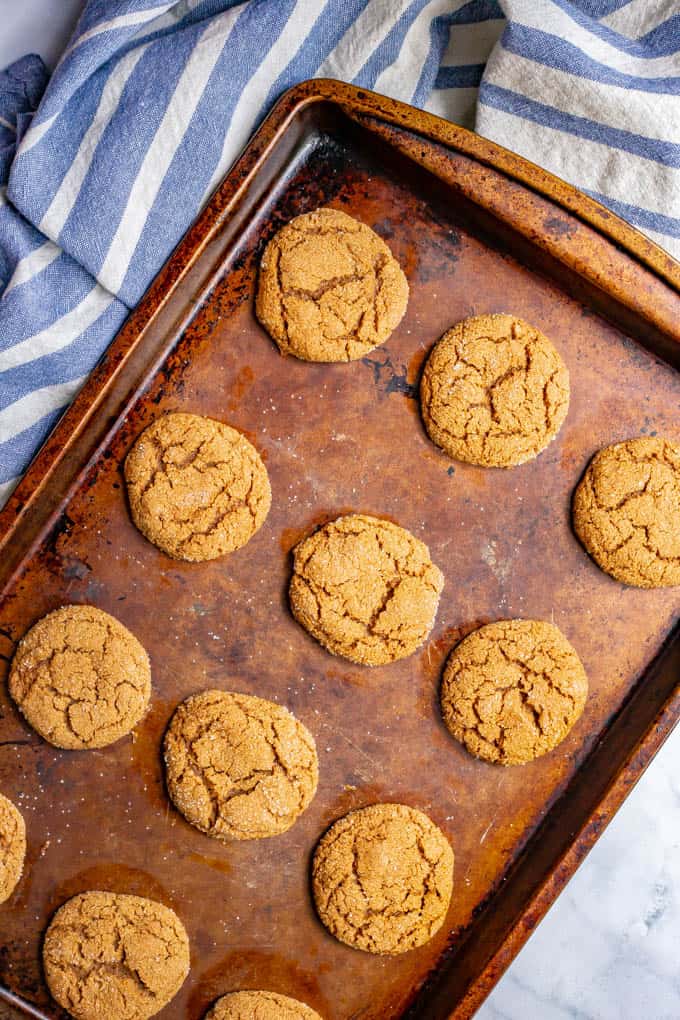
335,438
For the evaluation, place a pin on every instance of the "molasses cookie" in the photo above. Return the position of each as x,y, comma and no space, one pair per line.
513,690
12,847
259,1006
494,391
365,588
239,767
108,955
329,289
197,488
80,678
626,511
382,878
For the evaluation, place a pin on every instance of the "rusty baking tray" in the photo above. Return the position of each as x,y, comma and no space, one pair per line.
476,229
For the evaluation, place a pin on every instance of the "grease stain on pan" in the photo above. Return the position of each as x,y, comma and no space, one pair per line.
242,382
145,745
216,863
111,877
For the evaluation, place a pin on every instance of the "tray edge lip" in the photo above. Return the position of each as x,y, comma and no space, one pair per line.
496,156
207,224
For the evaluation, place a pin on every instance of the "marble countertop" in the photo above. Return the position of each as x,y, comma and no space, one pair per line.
609,948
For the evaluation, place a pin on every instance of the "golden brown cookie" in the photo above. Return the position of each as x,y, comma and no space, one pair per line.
108,955
239,767
12,847
512,690
365,588
382,878
329,288
197,488
626,511
259,1006
494,391
80,678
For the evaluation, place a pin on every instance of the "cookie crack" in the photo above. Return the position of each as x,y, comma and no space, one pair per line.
111,969
323,288
636,527
628,498
199,773
307,231
370,636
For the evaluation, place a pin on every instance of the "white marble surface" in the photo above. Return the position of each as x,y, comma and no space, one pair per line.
36,26
610,947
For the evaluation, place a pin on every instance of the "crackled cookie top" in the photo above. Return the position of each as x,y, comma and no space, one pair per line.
382,878
197,488
80,678
626,511
512,690
259,1006
365,588
239,767
329,288
494,391
12,847
108,955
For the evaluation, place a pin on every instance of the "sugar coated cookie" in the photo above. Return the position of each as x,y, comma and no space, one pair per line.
494,391
239,767
108,955
80,678
12,847
512,690
329,288
626,511
197,488
365,588
382,878
259,1006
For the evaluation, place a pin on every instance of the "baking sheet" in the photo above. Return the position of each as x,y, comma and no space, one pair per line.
335,438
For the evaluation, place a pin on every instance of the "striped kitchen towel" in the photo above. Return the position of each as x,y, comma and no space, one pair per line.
103,168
